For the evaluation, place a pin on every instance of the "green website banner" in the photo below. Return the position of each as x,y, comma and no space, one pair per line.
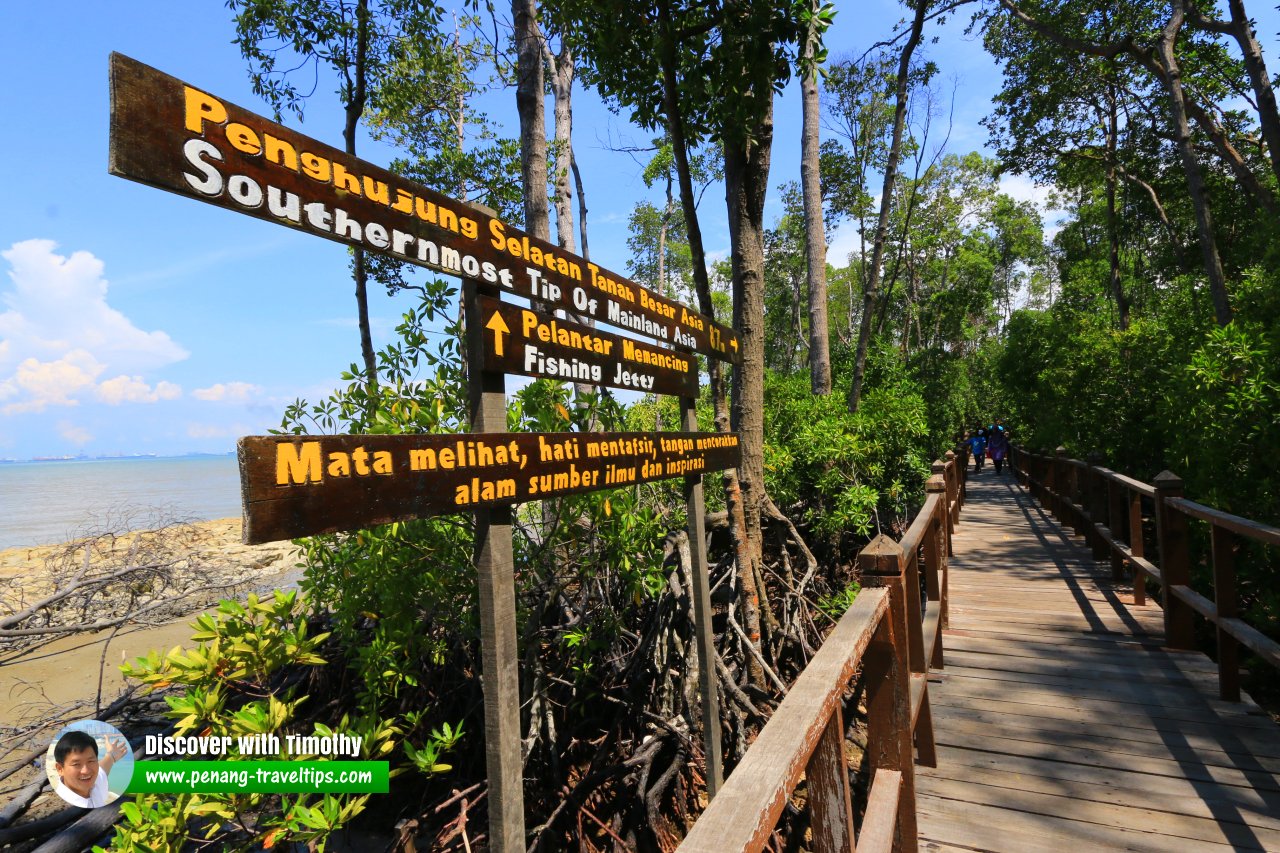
259,777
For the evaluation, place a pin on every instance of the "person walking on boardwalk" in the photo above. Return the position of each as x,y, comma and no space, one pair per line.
997,444
978,447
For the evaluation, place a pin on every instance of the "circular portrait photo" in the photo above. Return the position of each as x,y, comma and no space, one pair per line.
89,763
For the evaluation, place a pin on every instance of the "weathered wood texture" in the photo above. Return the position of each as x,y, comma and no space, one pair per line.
175,137
1063,720
520,340
303,485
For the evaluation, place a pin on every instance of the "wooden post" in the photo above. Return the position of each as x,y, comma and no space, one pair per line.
1175,562
1115,524
707,684
1137,547
1061,485
495,568
949,496
830,797
1226,599
936,555
1094,499
888,686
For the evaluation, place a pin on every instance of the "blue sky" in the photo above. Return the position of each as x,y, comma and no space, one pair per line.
136,321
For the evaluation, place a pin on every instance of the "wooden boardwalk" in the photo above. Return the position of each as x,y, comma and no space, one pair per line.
1061,721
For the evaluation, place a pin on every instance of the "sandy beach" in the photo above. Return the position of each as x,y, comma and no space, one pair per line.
204,561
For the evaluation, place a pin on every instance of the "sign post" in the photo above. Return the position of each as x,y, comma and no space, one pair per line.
169,135
495,570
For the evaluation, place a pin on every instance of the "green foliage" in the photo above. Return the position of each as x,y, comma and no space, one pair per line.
846,469
232,689
281,38
837,603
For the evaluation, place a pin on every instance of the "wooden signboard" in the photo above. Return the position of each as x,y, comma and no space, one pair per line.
167,134
304,485
520,340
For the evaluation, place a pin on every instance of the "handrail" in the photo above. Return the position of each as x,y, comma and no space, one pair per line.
894,639
1106,508
774,764
1236,524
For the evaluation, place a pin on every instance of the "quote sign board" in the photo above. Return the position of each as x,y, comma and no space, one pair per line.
520,340
167,134
305,485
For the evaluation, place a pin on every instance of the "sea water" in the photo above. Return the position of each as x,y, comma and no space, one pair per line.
45,503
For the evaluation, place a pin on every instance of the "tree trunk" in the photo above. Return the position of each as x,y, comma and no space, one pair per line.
1113,219
354,110
748,592
1191,166
1241,29
562,72
746,178
815,234
530,86
886,200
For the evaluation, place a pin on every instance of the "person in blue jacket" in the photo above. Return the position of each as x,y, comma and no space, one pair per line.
978,448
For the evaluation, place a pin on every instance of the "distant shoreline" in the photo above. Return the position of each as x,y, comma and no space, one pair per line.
123,457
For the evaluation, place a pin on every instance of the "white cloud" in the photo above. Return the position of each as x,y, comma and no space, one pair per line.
59,335
60,303
844,245
132,389
50,383
77,435
228,392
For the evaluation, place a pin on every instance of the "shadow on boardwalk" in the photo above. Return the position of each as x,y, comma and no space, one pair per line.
1061,720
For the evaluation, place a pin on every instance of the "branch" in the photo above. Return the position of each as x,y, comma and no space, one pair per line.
1106,51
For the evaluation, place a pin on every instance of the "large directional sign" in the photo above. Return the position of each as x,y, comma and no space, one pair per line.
519,340
304,485
170,135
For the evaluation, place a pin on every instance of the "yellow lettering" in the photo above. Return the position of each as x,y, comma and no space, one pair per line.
448,219
376,191
243,138
382,462
315,167
497,235
280,152
297,464
339,465
344,180
202,108
470,229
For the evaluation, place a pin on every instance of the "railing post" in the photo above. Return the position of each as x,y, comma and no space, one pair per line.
1050,481
830,797
889,686
1226,599
1094,501
1073,505
958,470
1137,547
1175,562
1115,524
949,496
936,559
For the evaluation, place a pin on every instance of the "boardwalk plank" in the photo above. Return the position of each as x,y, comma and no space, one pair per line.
1061,721
1123,789
1170,824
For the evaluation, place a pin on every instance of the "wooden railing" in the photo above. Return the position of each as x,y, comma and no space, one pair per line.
893,633
1107,509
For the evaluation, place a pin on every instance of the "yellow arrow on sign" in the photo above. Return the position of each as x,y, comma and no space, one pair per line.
499,327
